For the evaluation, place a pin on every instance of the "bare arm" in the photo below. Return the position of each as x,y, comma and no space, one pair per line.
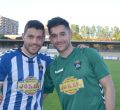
109,92
44,96
1,95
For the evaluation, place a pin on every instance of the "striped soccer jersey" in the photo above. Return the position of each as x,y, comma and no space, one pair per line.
22,79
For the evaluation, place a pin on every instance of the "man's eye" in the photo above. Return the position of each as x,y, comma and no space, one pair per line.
30,36
53,36
62,34
40,37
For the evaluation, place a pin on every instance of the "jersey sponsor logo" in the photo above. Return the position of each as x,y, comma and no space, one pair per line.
71,85
58,71
29,86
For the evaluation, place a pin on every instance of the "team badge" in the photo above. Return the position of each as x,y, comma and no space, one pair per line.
29,86
40,66
77,64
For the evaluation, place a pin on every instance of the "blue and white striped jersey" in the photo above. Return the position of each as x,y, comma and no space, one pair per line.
22,79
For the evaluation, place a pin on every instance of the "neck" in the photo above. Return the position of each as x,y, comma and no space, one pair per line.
67,52
23,50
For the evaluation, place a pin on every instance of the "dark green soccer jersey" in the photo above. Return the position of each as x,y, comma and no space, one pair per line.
76,79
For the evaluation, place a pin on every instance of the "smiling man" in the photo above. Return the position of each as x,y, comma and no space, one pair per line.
80,76
22,71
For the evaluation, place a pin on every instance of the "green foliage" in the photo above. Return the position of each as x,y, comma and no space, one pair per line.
75,28
3,37
117,36
76,37
97,32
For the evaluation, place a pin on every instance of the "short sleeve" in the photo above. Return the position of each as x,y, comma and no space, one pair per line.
2,69
48,83
97,62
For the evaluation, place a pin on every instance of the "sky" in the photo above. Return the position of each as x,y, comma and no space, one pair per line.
80,12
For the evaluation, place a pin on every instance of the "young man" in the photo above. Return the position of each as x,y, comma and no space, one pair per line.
77,74
22,71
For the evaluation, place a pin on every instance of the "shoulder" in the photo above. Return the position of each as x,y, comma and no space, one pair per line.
6,57
45,57
93,54
9,54
54,61
88,51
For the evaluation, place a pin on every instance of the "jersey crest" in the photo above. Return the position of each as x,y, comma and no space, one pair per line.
77,64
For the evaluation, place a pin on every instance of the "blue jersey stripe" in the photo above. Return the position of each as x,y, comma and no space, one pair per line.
31,73
20,77
29,100
38,101
36,105
31,68
7,98
8,92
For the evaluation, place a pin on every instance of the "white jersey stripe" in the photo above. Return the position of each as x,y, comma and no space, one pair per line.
36,71
38,101
4,89
14,85
26,74
44,68
36,74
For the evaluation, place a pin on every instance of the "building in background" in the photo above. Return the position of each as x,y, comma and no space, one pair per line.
8,26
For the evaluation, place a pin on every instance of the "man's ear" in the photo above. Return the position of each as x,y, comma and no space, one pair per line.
71,33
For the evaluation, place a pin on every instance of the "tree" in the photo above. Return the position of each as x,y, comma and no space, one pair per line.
75,28
92,31
84,31
3,37
76,37
116,33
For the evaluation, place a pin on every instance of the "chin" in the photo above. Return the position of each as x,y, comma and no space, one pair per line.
33,53
60,50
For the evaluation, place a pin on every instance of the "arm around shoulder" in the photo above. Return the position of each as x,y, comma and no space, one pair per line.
1,94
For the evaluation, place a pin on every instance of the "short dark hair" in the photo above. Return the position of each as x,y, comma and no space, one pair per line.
57,21
34,24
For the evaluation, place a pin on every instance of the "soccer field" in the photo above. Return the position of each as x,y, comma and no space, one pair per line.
52,101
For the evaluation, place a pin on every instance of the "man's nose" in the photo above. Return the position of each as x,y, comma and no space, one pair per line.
58,37
34,40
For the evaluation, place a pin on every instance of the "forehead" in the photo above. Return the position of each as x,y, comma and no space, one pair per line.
33,31
58,29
